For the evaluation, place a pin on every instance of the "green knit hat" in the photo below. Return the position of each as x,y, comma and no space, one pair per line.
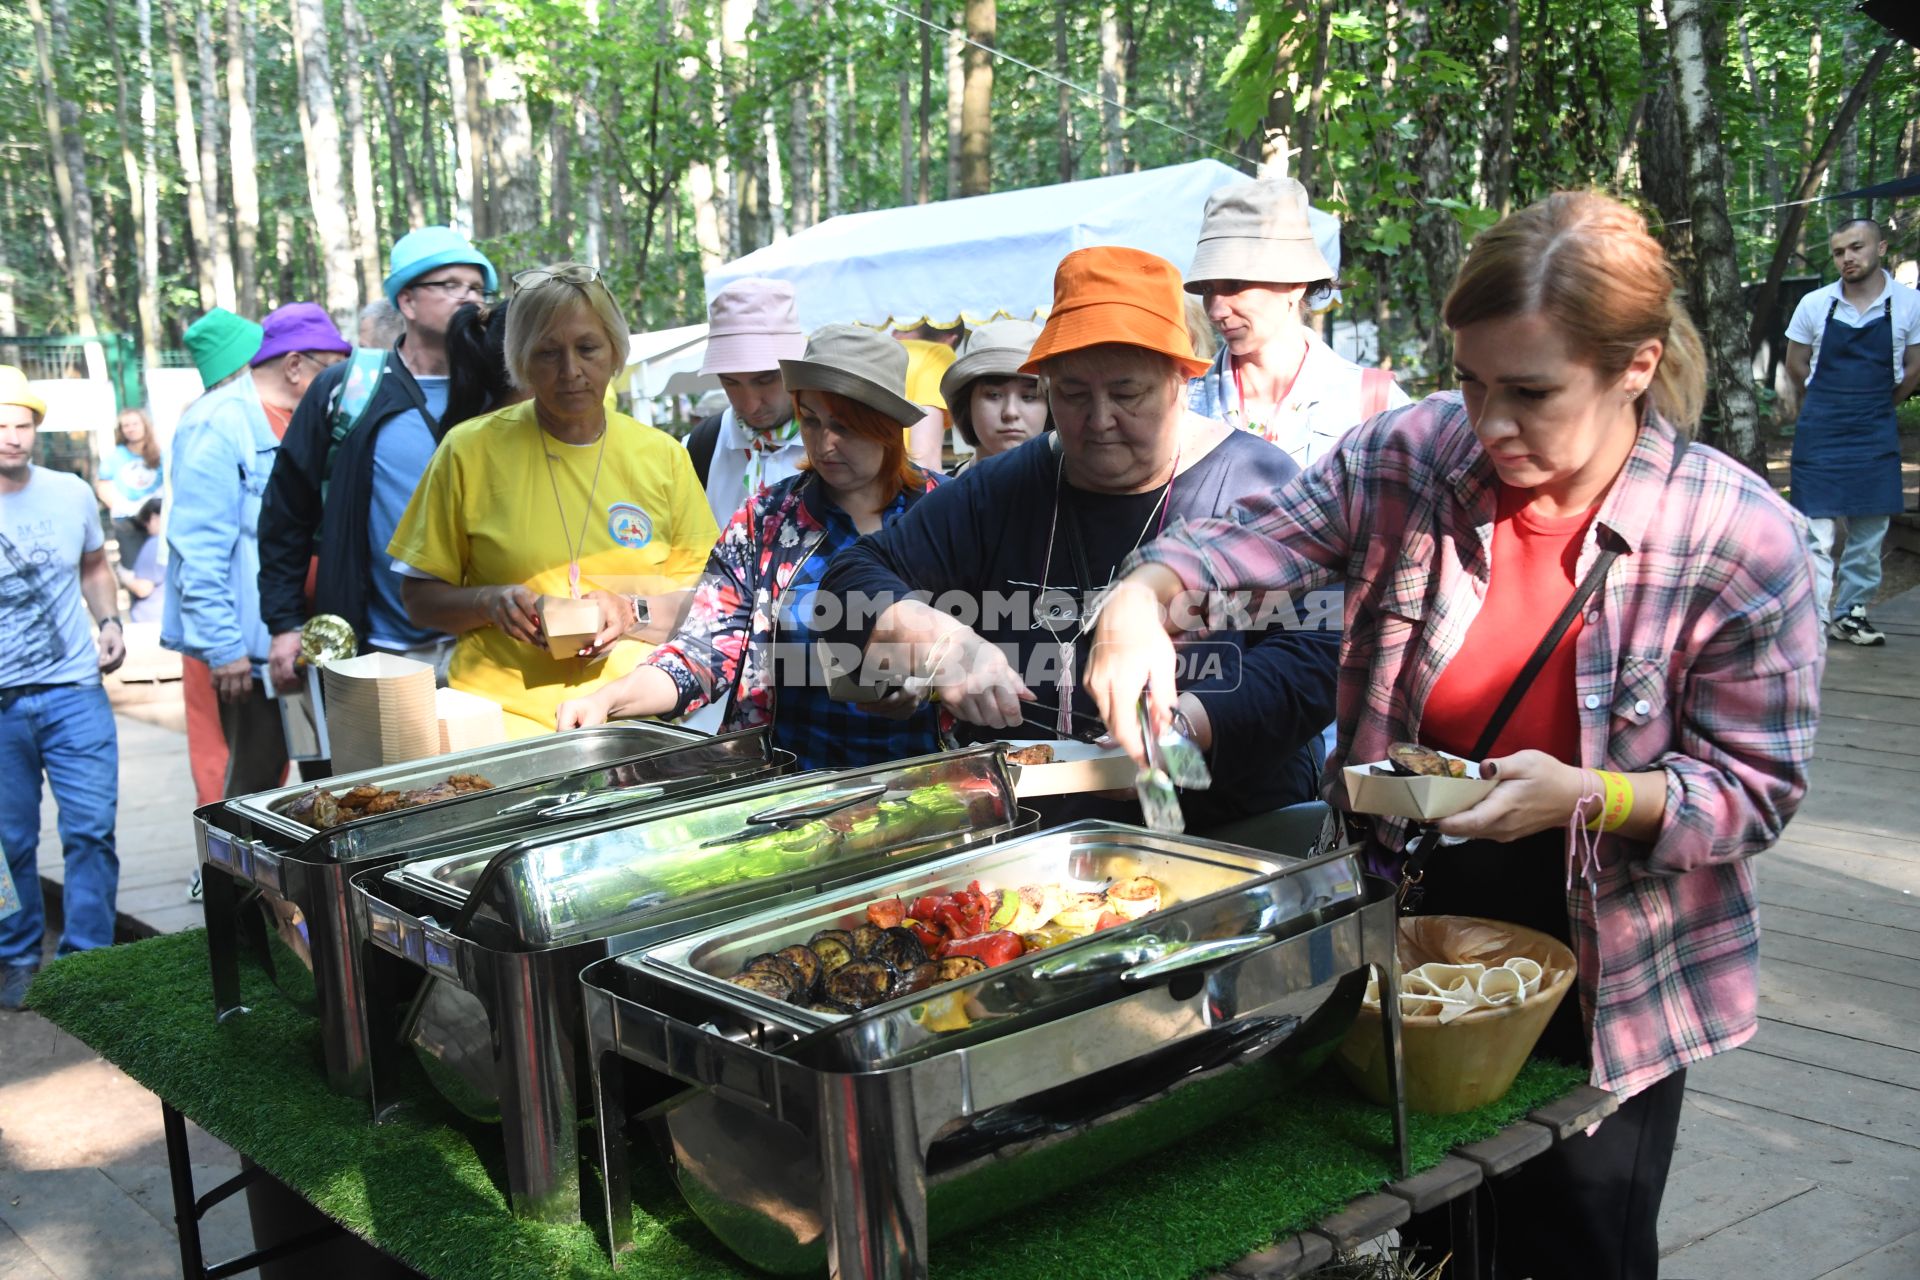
222,344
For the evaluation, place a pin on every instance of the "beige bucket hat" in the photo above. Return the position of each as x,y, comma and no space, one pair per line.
860,364
1258,231
995,350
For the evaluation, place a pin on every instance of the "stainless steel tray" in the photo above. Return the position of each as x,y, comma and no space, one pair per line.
534,893
1221,900
506,765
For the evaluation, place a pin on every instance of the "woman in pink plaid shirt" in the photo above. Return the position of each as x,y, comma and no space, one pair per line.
1663,741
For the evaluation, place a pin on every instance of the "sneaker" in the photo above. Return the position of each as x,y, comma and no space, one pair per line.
193,888
13,988
1853,627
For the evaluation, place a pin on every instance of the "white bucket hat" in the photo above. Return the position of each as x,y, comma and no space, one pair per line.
1258,231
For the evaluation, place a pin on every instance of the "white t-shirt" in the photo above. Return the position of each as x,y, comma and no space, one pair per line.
1809,321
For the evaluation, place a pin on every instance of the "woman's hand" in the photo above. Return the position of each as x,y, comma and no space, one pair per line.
581,713
1132,654
897,705
616,619
514,611
975,680
1535,792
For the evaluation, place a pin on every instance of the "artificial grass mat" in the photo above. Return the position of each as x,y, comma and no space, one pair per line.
427,1187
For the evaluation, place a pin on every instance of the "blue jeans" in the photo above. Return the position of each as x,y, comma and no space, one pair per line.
67,733
1859,561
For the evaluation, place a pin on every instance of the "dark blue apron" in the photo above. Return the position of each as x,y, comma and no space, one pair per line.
1846,445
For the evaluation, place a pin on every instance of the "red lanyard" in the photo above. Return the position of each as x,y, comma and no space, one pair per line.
1241,391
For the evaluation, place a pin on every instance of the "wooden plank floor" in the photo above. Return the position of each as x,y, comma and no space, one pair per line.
1800,1154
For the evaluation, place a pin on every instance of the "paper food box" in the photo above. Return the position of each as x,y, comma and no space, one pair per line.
467,720
1073,767
569,625
380,710
1419,798
302,721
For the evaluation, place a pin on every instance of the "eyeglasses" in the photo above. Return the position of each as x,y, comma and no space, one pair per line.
454,288
572,273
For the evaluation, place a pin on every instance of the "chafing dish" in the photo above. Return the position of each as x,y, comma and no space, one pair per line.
272,877
501,934
807,1138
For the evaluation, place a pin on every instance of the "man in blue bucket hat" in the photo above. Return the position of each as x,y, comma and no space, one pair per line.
358,444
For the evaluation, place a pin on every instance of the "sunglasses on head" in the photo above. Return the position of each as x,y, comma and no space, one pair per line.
572,273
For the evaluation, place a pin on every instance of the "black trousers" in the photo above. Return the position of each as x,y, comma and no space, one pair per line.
1588,1208
256,744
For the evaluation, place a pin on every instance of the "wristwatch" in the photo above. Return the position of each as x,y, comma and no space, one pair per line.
114,619
642,614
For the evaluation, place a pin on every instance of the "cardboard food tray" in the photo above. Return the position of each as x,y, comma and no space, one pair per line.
380,711
568,625
1422,799
1076,767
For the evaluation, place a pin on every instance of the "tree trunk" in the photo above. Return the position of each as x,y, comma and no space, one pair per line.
776,182
146,281
976,102
956,93
800,143
738,105
325,181
1767,297
1435,232
702,189
1847,168
514,184
1113,93
406,181
1770,163
366,218
1316,95
217,230
188,147
1663,160
240,155
560,184
830,106
431,146
68,155
1500,147
1733,416
1063,101
465,162
906,137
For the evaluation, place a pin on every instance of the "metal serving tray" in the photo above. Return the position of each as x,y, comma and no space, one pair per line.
501,932
266,876
805,1138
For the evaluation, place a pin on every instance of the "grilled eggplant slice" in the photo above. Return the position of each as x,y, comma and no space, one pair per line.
842,936
831,951
899,948
771,983
1418,760
865,939
918,978
860,984
954,968
807,962
776,963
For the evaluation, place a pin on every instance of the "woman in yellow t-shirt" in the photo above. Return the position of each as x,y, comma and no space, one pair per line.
555,496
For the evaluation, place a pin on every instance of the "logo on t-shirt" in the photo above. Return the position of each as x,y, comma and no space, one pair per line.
628,525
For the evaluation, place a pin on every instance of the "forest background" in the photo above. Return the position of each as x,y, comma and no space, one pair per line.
165,156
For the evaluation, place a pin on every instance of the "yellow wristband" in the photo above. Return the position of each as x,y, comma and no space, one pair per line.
1616,806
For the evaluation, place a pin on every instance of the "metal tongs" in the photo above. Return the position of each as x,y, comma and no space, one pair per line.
1173,760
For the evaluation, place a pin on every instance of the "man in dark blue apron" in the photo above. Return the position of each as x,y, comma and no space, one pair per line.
1854,350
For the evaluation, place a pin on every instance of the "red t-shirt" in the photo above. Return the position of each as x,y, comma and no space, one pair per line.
279,420
1532,577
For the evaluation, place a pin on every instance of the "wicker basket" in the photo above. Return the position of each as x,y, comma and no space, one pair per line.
1472,1060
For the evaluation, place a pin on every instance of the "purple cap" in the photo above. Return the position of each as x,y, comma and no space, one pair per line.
298,326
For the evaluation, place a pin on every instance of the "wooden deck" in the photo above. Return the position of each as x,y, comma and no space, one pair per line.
1800,1154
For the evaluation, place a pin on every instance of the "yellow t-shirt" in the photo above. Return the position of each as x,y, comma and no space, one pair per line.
485,514
927,363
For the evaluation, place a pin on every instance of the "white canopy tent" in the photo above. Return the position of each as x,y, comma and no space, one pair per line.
985,256
666,362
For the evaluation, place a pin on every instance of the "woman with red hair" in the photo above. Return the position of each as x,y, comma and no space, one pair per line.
747,638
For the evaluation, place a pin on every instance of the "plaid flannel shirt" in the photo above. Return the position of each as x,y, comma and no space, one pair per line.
1700,657
753,600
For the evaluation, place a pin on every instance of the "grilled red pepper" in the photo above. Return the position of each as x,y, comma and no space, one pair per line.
991,949
931,938
887,912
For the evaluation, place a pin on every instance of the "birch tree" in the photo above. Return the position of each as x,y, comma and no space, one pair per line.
68,157
366,221
976,107
241,162
320,132
217,239
146,283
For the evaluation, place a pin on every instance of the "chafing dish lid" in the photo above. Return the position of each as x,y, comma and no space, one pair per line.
602,882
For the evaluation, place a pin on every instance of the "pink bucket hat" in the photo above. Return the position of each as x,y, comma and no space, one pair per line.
751,327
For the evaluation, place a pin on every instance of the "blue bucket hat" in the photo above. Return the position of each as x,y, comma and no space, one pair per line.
427,249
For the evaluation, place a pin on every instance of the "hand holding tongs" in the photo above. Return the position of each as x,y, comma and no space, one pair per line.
1173,760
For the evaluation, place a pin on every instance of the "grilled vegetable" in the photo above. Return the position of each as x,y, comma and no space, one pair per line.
776,963
771,983
918,978
1110,920
1422,761
806,961
954,968
1134,897
831,950
900,949
1050,935
865,939
1006,908
990,949
1081,911
1039,903
887,912
860,984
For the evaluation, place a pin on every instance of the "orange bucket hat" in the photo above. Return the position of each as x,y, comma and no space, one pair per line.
1112,294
